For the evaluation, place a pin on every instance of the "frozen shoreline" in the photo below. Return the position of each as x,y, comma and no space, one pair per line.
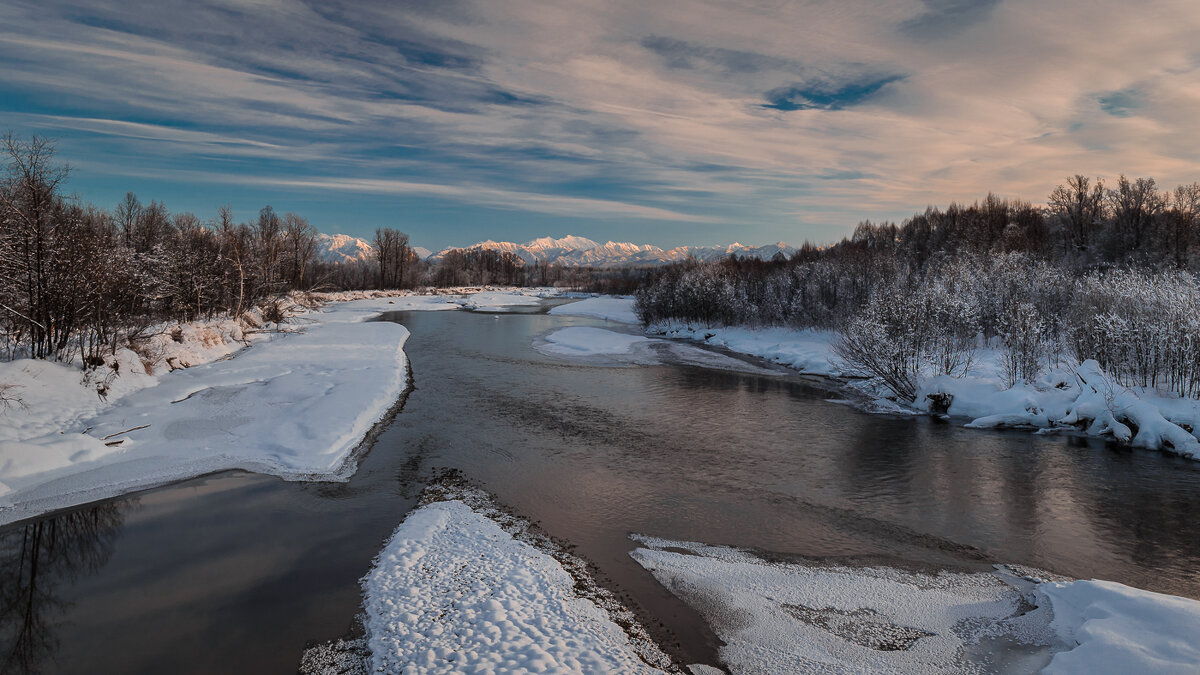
810,616
1079,399
293,401
1068,399
462,586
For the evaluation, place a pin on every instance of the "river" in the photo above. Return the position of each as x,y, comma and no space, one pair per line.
237,572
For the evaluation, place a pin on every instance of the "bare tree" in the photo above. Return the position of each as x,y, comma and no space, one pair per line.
1079,207
300,240
392,255
1185,208
127,214
1134,206
30,202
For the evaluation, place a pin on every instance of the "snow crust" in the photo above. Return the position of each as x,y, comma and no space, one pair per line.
452,592
780,617
808,351
494,300
611,308
587,341
1119,629
292,404
800,617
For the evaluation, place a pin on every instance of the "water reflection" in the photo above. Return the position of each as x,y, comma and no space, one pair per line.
36,561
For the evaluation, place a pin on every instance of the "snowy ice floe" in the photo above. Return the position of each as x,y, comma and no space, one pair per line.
500,300
811,617
454,591
1118,629
808,351
778,617
294,405
611,308
587,341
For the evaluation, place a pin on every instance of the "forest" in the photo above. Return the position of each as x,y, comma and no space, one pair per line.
1105,273
77,280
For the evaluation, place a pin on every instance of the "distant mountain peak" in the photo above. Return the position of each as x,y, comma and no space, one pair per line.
576,251
338,248
570,242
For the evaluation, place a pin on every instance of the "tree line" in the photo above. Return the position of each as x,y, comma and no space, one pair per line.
77,280
1106,273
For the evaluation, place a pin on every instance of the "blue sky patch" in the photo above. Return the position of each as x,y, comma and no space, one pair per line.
826,97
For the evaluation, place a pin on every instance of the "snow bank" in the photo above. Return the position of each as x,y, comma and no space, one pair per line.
293,405
1082,398
453,592
1119,629
586,341
808,351
494,300
611,308
790,617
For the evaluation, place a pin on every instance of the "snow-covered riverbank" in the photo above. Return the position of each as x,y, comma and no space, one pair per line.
1068,398
292,400
1082,397
462,587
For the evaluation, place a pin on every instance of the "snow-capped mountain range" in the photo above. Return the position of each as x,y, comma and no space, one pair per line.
339,248
574,251
569,251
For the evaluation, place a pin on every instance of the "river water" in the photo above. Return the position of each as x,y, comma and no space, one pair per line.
238,573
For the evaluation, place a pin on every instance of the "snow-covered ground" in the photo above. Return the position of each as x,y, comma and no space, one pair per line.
611,308
291,404
292,400
780,617
1112,628
454,592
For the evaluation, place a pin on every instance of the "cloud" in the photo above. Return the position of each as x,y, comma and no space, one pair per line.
773,120
946,17
681,54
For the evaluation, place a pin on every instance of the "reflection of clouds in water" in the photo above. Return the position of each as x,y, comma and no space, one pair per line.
36,560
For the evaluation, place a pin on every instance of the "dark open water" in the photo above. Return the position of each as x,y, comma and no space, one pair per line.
237,572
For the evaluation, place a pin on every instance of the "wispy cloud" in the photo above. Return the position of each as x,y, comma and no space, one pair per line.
759,121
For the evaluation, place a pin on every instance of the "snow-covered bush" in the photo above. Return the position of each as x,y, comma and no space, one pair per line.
1024,333
1142,327
905,333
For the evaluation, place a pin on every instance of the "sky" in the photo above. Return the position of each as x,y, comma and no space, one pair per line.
664,122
